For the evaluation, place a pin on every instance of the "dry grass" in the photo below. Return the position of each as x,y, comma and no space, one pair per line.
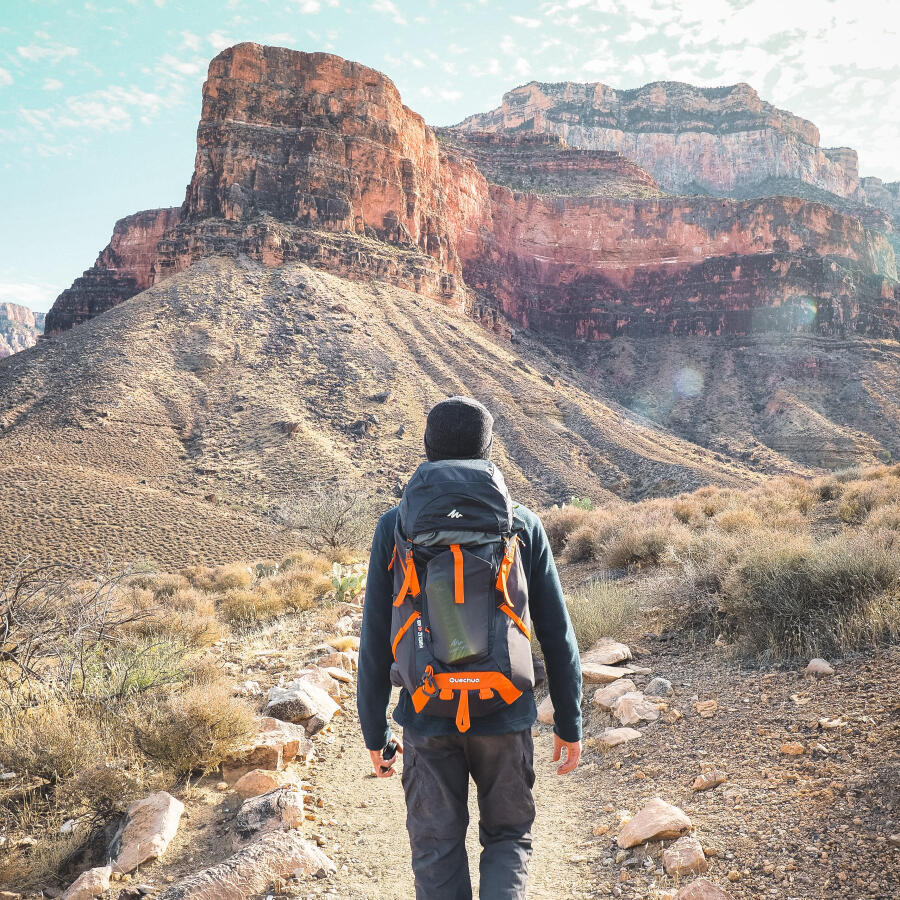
600,609
790,568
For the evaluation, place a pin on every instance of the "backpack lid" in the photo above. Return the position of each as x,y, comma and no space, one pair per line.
457,495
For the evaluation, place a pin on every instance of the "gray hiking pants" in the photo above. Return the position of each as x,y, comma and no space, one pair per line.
435,779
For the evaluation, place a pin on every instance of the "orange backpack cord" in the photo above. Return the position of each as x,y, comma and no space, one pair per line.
410,579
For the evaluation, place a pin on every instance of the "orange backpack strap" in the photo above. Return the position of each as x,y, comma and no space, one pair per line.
448,683
403,629
506,566
512,614
393,557
410,580
458,584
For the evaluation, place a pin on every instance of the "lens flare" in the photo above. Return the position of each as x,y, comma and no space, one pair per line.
688,382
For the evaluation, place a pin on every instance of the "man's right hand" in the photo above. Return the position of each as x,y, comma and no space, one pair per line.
573,754
384,768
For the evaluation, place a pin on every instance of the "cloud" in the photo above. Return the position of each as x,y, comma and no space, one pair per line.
111,109
52,84
389,8
5,78
525,22
219,41
52,53
191,41
308,7
35,295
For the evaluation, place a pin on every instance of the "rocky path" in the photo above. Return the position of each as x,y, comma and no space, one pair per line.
368,841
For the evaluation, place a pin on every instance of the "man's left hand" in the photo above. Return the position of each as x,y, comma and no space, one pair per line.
573,754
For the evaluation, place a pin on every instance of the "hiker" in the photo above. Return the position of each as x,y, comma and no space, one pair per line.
457,577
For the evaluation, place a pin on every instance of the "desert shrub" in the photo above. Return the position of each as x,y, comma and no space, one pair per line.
737,520
792,597
847,473
884,517
193,730
165,585
221,578
864,496
331,518
646,546
53,741
687,511
601,609
583,545
560,522
828,488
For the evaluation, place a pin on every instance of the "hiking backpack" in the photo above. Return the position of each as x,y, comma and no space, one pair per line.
460,627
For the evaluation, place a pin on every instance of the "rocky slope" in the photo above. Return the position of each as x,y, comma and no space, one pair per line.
20,327
172,426
721,140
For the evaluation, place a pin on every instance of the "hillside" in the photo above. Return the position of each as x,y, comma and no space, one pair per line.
172,426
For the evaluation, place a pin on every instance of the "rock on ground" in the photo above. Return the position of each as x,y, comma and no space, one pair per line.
658,820
684,857
659,687
320,678
706,708
346,660
607,652
274,747
707,780
605,697
634,707
600,673
260,781
92,883
341,675
302,701
818,668
252,870
545,711
149,826
279,809
612,737
701,889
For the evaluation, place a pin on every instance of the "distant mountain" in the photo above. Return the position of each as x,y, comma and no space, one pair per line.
20,327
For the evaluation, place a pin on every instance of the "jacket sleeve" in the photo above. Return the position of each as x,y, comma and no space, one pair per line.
553,628
373,689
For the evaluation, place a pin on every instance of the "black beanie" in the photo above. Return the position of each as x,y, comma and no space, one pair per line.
458,428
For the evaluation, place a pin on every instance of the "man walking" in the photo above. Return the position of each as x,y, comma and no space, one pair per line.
458,576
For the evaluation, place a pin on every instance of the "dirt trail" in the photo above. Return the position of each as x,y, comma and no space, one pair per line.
372,852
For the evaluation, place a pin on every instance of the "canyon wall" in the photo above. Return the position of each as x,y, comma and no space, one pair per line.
309,157
686,137
20,328
123,269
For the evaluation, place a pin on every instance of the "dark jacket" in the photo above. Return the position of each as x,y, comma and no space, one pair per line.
552,627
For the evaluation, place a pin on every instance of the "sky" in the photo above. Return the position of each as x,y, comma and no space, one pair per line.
99,100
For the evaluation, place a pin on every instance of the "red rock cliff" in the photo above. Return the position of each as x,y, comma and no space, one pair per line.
122,269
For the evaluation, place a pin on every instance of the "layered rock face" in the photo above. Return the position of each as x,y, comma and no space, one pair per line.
308,157
686,137
596,268
20,328
122,269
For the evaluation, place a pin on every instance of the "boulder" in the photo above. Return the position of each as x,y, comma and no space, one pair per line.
93,883
600,673
276,744
148,827
657,821
634,707
276,811
346,660
250,871
701,889
818,668
302,701
341,675
260,781
685,857
545,711
612,737
707,780
320,678
605,697
659,687
607,652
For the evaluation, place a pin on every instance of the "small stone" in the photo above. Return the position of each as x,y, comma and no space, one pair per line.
599,673
684,857
604,697
633,707
657,820
339,674
734,875
146,831
607,652
818,668
222,786
894,840
706,708
93,883
792,748
612,737
346,660
707,780
545,711
260,781
659,687
600,829
701,889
